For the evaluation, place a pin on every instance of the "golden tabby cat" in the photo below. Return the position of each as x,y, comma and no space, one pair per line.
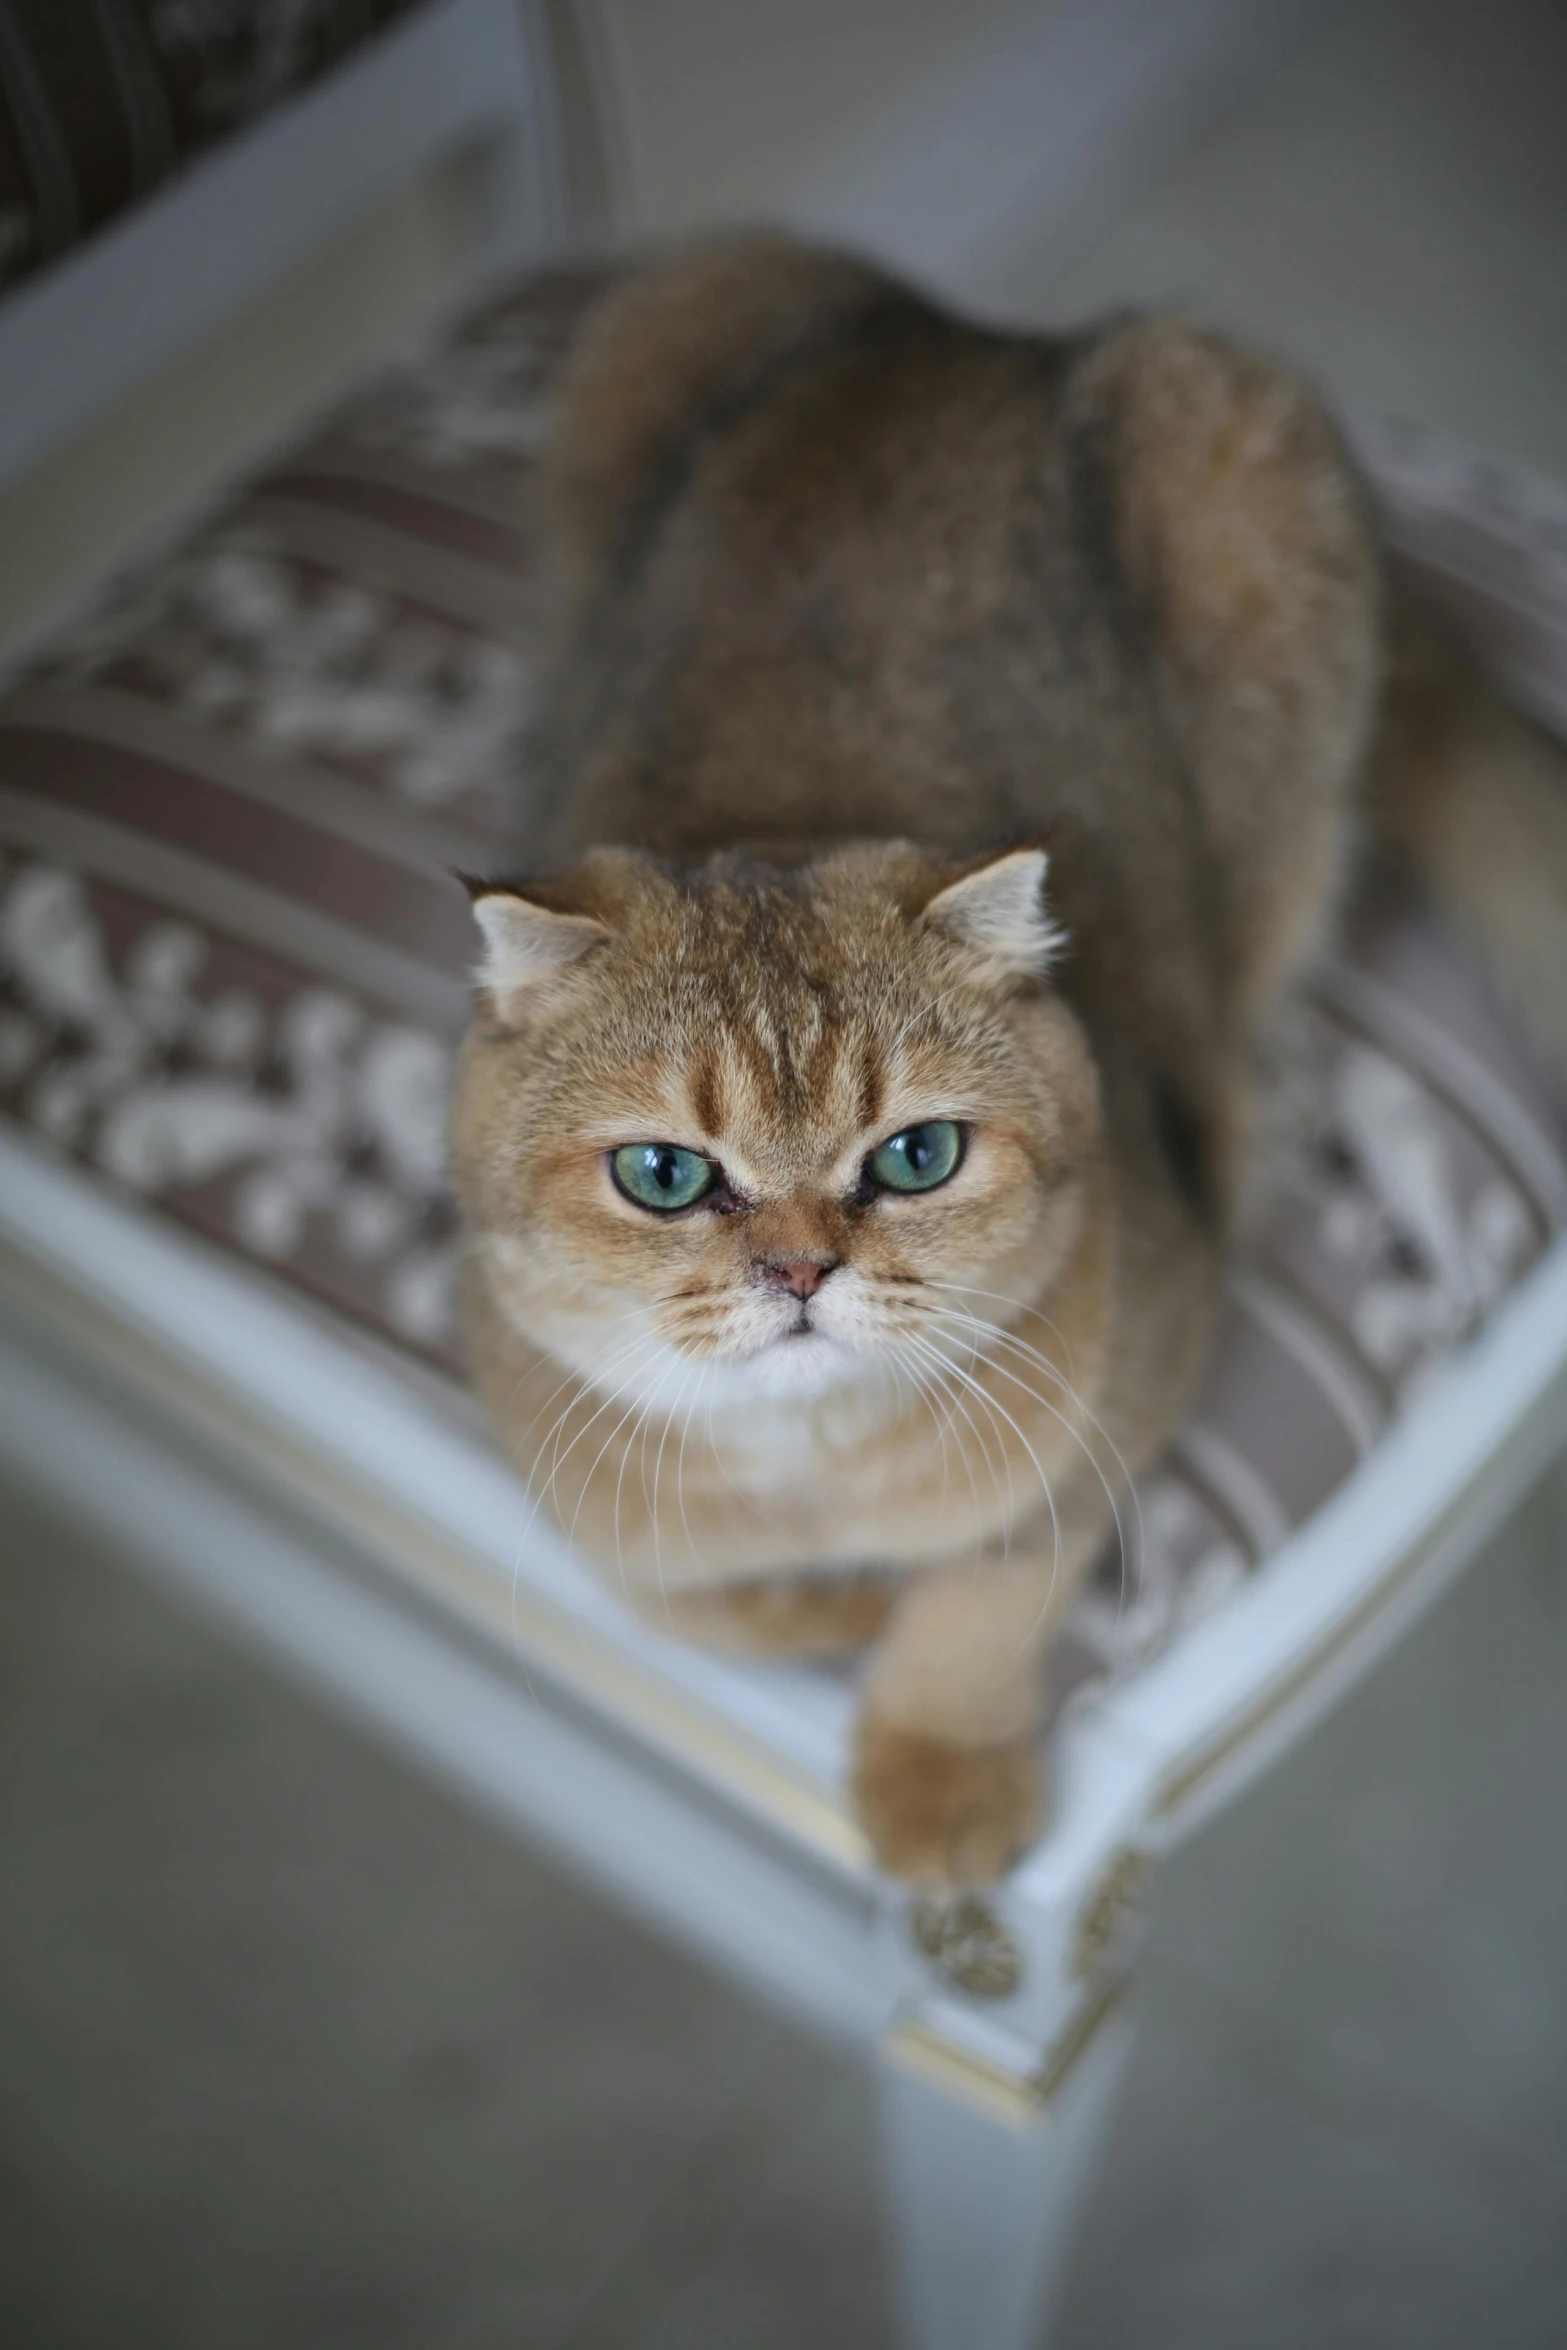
956,745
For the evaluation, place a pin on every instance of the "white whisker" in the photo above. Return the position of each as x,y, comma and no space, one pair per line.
994,1408
945,1368
933,1386
633,1441
1029,1354
999,1297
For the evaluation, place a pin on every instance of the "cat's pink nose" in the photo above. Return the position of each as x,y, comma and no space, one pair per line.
801,1276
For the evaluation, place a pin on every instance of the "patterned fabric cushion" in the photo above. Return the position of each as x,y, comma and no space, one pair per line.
234,964
100,103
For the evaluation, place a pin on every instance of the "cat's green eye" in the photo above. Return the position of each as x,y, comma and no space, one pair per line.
661,1176
919,1158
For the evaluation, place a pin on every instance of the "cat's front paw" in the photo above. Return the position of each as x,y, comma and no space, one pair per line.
945,1817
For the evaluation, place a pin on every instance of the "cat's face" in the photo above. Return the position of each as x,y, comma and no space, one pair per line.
767,1131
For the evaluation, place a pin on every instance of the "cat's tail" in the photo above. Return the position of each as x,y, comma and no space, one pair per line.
1474,798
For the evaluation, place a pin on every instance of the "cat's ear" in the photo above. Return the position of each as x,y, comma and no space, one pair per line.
524,944
1000,911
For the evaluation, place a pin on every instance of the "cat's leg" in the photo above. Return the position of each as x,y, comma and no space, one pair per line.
947,1772
779,1615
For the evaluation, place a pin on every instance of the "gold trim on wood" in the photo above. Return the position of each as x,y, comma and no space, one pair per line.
1115,1899
1074,2041
1017,2100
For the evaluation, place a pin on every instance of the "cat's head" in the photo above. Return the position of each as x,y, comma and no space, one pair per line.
789,1121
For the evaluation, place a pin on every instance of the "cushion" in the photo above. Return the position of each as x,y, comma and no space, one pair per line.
232,961
100,105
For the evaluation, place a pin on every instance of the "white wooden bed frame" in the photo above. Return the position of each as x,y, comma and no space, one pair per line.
261,1461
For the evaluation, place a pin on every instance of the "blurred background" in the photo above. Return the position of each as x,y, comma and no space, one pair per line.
1375,190
292,2049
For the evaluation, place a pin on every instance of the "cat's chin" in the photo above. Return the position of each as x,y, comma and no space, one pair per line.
808,1365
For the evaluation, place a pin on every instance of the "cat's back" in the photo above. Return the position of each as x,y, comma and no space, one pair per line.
835,563
821,563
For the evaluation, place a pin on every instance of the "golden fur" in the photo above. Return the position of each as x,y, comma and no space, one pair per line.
943,724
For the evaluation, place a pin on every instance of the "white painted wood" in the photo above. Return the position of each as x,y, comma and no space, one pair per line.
801,1935
466,75
980,2209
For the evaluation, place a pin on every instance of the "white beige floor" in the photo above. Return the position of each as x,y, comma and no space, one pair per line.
292,2051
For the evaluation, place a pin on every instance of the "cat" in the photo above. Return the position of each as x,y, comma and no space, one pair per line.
956,746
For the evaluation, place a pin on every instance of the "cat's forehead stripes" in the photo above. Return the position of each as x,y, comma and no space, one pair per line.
777,1114
792,1042
872,1086
707,1093
784,1031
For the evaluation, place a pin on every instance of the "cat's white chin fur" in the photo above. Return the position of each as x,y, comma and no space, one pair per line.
664,1378
782,1369
805,1365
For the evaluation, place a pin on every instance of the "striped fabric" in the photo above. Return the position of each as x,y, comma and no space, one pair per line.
234,961
103,100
